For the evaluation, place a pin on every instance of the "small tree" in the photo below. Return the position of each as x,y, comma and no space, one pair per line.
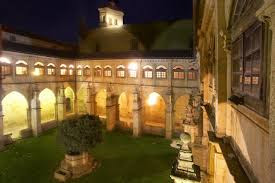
80,133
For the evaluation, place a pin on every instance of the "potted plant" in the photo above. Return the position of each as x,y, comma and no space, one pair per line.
78,135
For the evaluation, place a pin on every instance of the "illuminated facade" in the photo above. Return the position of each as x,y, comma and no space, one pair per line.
131,85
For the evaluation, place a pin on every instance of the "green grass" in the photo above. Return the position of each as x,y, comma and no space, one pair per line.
123,160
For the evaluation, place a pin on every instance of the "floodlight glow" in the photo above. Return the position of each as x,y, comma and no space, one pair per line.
4,60
133,66
36,72
152,100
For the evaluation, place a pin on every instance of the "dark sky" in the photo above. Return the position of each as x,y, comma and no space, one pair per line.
59,19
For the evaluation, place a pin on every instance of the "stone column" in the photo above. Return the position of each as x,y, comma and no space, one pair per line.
137,118
221,69
91,102
110,110
169,115
61,107
267,14
36,113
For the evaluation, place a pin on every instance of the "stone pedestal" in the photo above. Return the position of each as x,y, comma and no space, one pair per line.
36,114
61,108
75,167
137,118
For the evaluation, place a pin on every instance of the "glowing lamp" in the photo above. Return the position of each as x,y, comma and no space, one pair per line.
36,72
152,100
133,66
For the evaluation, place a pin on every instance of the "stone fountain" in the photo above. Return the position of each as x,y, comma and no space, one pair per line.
184,170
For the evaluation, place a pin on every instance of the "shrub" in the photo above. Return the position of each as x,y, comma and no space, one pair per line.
80,133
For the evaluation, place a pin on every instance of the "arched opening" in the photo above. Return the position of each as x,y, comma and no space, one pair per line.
81,100
101,103
180,111
69,100
125,102
154,117
47,103
15,103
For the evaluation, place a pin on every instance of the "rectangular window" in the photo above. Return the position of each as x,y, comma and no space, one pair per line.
6,70
21,70
120,73
51,71
132,74
161,74
108,73
71,72
179,75
192,75
39,71
98,73
79,72
87,72
148,74
63,72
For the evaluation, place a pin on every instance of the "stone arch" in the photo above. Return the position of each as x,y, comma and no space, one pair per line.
101,97
47,103
180,111
69,100
154,114
15,103
82,95
125,102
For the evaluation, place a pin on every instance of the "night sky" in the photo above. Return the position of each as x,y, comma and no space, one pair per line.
59,19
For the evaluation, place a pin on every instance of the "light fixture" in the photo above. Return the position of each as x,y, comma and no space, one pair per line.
152,99
133,66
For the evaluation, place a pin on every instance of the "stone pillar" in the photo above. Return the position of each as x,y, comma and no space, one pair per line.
137,118
36,113
221,69
267,14
169,115
91,102
111,112
61,107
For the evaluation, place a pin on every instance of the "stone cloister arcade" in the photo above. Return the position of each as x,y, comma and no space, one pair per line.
32,104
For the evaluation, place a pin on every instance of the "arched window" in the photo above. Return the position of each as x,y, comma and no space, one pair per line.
98,71
161,72
120,71
107,71
178,72
87,70
147,71
6,66
39,69
192,73
51,69
132,69
21,68
63,70
79,71
71,70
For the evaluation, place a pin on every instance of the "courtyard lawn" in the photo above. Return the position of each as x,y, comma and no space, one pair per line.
123,159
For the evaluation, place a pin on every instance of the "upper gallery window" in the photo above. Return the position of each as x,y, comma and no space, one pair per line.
120,71
51,69
192,74
132,69
79,70
161,72
63,70
178,72
107,71
147,71
98,71
247,62
6,66
87,70
39,69
71,70
21,68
